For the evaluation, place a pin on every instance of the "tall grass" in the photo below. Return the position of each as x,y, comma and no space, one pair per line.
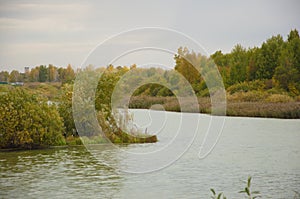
248,104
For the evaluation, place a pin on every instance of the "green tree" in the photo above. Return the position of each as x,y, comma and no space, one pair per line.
268,58
286,74
294,34
252,68
238,64
293,46
27,121
220,59
43,73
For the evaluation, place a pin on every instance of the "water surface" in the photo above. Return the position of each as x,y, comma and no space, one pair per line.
266,149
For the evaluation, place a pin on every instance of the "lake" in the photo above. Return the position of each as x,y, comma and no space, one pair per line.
266,149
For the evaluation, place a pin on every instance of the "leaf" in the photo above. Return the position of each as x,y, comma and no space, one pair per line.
247,191
213,191
219,196
249,181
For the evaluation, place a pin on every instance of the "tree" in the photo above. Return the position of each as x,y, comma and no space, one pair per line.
15,76
238,62
133,66
34,74
293,46
252,68
294,34
43,73
27,121
220,59
67,75
53,74
65,110
4,76
186,63
268,58
111,119
286,75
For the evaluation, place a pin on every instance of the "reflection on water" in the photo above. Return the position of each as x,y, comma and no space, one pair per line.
266,149
59,172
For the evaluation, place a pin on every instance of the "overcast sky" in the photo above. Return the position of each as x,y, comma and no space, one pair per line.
64,32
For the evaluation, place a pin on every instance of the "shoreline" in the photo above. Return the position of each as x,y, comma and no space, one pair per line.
226,116
252,109
8,150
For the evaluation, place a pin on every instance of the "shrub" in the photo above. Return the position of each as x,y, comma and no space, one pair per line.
93,140
277,90
279,98
72,140
49,90
251,96
27,121
247,86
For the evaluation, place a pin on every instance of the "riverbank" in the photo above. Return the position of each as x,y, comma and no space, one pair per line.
289,109
84,140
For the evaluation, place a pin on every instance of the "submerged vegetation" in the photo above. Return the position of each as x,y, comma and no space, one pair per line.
260,82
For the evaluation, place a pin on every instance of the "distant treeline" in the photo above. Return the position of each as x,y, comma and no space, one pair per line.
40,73
274,66
277,60
276,63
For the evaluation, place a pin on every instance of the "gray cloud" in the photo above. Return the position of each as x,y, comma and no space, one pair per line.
43,32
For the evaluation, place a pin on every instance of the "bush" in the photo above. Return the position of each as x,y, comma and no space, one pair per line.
264,109
277,90
49,90
93,139
251,96
279,98
72,140
27,121
247,86
146,101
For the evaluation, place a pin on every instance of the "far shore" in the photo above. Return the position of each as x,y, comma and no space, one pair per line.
260,109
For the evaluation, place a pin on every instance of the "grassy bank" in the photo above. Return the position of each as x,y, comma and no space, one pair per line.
239,104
